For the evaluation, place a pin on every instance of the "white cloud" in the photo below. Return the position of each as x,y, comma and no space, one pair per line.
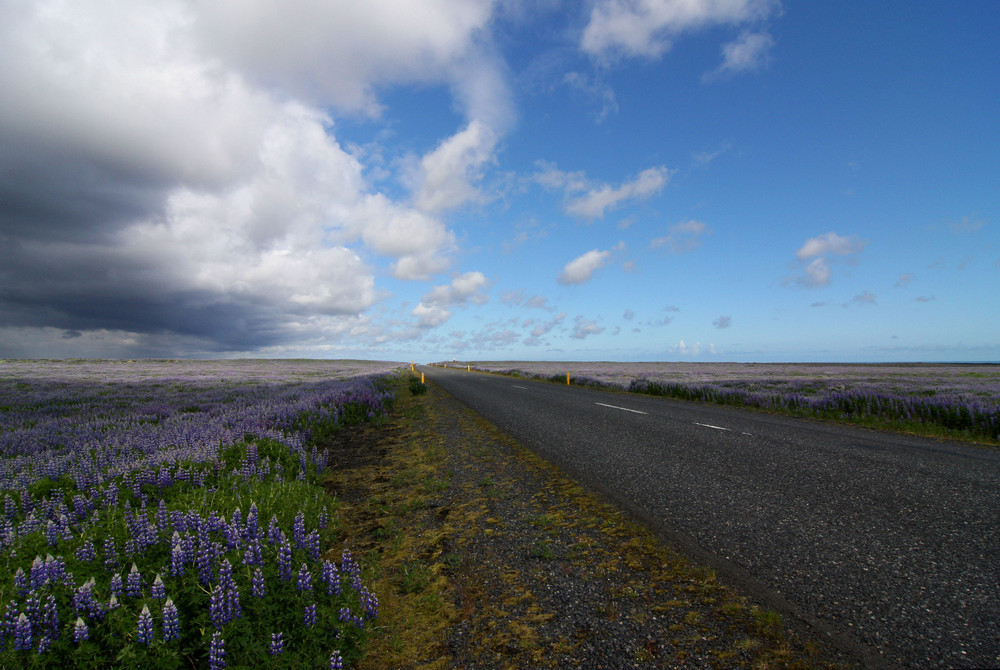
905,279
433,307
830,243
747,53
865,298
723,322
545,327
818,273
682,237
594,203
447,172
179,156
583,328
647,28
581,269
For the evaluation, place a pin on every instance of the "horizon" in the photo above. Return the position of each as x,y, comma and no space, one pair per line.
754,181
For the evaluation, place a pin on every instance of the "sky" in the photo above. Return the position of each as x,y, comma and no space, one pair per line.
417,180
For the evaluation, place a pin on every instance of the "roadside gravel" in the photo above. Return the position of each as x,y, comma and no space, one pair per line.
524,568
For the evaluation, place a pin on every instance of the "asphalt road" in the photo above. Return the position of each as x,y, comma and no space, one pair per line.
887,544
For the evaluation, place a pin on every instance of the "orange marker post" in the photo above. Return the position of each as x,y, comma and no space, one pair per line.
567,379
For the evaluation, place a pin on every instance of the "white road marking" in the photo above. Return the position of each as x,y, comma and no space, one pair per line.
523,388
708,425
624,409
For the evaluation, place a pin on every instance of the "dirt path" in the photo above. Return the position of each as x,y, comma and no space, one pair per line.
485,556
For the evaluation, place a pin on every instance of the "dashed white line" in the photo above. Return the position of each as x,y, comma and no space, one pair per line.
624,409
708,425
523,388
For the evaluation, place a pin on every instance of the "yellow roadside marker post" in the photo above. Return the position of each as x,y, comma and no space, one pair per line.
567,379
421,377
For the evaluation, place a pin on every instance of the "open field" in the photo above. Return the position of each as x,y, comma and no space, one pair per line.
954,400
167,514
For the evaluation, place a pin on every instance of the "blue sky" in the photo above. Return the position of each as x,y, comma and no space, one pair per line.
707,180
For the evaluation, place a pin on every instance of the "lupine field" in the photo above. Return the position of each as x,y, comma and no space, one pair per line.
956,400
167,514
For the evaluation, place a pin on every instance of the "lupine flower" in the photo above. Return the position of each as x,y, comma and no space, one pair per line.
22,633
117,587
145,632
252,553
217,607
158,591
44,644
217,652
285,561
21,582
336,663
277,644
299,530
252,529
274,534
309,618
86,552
80,630
304,581
133,582
171,621
324,518
177,559
257,589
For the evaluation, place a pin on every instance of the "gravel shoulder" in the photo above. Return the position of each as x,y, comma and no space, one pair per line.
485,556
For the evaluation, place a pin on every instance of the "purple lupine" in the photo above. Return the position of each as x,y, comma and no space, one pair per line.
324,518
44,644
51,533
133,582
304,580
252,528
145,630
171,621
158,590
299,530
274,534
177,560
217,652
252,552
285,561
336,662
332,578
117,588
83,599
50,617
277,644
369,604
22,633
86,552
309,618
257,589
162,517
21,582
217,607
39,574
110,554
347,616
312,544
80,630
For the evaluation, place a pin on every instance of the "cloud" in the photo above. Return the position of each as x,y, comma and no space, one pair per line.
433,309
818,273
647,28
865,298
544,328
581,269
747,53
695,349
583,328
830,243
596,90
723,322
594,203
682,237
171,171
905,279
447,173
966,225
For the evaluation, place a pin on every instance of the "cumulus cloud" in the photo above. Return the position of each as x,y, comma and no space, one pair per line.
545,327
596,201
434,307
817,272
581,269
682,237
648,28
584,328
171,170
723,322
747,53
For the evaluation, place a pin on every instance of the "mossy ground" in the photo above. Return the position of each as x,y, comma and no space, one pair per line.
484,555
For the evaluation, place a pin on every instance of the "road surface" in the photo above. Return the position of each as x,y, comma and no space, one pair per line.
888,544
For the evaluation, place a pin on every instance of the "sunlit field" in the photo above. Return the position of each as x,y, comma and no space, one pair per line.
167,514
956,400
